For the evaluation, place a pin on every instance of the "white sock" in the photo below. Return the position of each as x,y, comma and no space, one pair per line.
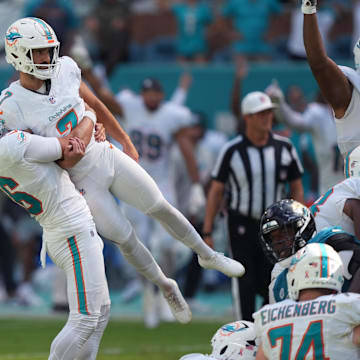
70,340
140,257
91,347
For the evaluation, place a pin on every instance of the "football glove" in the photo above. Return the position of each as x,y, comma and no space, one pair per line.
308,6
275,92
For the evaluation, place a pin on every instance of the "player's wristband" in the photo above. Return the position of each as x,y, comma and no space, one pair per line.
308,7
89,114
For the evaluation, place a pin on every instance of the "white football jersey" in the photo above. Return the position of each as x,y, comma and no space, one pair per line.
43,189
331,164
52,115
315,329
152,132
348,129
328,209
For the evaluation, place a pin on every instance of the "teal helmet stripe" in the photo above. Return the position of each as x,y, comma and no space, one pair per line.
46,29
324,266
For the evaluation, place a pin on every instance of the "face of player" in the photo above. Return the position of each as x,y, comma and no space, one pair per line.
262,121
152,99
282,241
42,56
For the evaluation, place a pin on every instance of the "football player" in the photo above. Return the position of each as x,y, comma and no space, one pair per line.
49,100
340,205
316,322
154,126
340,85
31,179
285,227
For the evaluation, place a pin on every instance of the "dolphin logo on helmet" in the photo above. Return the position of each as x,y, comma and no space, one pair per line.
25,35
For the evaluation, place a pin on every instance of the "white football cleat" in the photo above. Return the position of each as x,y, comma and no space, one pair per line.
178,306
220,262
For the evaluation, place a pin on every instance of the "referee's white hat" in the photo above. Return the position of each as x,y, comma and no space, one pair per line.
255,102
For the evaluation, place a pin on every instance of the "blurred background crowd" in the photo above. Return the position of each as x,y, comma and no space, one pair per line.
206,54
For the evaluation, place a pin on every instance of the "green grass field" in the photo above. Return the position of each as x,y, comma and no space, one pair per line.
31,338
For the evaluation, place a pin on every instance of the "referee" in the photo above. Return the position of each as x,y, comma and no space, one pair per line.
252,171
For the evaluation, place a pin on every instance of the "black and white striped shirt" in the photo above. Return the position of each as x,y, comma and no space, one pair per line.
255,177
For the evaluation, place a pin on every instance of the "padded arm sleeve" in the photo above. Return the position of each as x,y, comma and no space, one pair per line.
42,149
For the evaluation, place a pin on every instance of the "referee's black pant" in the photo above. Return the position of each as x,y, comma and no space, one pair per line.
246,248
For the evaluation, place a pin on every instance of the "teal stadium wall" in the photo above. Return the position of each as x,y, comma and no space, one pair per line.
212,84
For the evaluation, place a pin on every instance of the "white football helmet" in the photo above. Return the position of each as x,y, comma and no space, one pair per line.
27,34
357,56
316,265
352,163
235,341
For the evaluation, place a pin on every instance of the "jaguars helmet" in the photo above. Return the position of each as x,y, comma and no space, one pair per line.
25,35
296,225
316,265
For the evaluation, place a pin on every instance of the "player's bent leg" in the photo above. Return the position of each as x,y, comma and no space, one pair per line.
136,187
91,347
113,225
180,228
80,256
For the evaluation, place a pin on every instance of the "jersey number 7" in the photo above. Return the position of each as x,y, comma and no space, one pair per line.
67,123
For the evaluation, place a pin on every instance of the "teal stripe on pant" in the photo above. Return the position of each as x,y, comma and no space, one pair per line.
79,278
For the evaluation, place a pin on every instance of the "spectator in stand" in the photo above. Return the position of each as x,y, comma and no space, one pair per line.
250,20
110,24
60,15
193,17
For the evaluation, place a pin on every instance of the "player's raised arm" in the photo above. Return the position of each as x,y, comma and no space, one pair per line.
333,83
112,126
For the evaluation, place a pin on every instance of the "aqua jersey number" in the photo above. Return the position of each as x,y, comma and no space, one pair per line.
68,122
313,340
27,201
